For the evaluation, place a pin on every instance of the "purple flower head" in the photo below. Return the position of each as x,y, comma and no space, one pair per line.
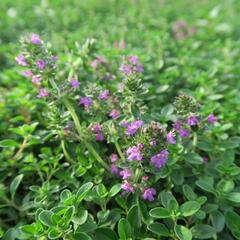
35,39
114,169
212,119
149,194
133,127
74,83
126,69
140,146
54,58
160,159
97,128
36,80
86,102
99,137
170,138
41,64
184,133
134,153
42,93
125,174
133,59
101,59
205,159
145,178
27,73
120,87
114,157
124,124
153,142
177,125
21,60
114,114
94,63
127,187
192,120
139,68
104,95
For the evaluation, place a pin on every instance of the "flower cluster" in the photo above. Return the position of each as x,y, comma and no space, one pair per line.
139,149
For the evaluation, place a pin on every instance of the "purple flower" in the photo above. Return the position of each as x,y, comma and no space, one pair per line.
192,120
212,119
99,136
94,64
170,138
114,114
74,83
133,59
153,142
184,133
140,146
124,124
160,159
149,194
126,69
133,127
86,102
145,178
27,73
114,169
21,60
41,64
134,153
35,39
177,125
125,174
114,157
97,128
120,87
139,68
54,58
42,93
127,187
205,159
36,80
104,95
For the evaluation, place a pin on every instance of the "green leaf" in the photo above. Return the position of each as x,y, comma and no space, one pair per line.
233,223
169,201
159,229
114,190
101,190
80,217
188,192
15,184
45,217
124,229
206,183
134,218
225,186
65,195
193,158
160,212
218,220
203,231
105,234
8,143
189,208
54,234
183,233
83,191
82,236
69,213
234,197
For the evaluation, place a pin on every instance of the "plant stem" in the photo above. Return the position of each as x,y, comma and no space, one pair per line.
80,132
66,154
20,150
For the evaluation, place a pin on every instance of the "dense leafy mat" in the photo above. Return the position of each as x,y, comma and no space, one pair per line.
97,143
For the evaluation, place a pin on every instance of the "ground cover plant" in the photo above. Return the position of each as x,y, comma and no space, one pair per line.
112,132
